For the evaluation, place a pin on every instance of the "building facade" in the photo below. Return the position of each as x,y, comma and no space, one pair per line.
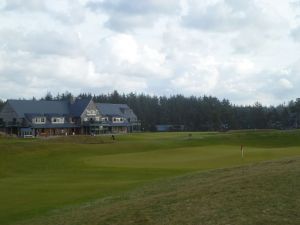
82,116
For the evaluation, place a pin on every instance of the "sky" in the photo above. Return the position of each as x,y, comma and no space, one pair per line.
242,50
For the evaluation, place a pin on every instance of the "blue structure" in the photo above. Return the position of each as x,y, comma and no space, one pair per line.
169,127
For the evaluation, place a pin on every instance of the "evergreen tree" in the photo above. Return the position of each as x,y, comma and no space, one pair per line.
198,113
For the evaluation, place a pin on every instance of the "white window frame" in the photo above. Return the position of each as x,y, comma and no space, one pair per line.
39,120
58,120
91,112
118,120
104,119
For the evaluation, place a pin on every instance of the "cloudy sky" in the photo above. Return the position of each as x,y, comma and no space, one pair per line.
242,50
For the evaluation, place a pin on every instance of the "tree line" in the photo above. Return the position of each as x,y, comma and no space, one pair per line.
205,113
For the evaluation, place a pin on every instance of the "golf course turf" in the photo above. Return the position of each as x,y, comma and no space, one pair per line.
152,178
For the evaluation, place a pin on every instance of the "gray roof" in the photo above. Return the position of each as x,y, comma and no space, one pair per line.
122,110
23,107
78,107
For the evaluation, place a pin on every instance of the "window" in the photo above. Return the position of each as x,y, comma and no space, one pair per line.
104,119
39,120
91,112
118,119
57,119
27,133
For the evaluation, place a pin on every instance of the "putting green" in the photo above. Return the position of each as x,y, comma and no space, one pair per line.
193,158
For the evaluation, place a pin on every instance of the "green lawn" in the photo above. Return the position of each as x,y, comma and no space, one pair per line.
38,177
261,193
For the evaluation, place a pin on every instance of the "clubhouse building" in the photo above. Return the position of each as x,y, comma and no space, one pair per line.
81,116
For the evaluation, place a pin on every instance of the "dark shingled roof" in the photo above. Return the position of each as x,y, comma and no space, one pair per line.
79,106
23,107
123,110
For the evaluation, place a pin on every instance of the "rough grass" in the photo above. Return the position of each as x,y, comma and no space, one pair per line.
264,193
38,176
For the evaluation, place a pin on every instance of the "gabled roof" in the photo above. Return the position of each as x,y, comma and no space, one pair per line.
30,116
122,110
23,107
78,107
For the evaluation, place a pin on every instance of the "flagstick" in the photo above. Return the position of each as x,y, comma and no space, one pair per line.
242,151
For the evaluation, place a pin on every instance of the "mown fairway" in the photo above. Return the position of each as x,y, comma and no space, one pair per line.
41,177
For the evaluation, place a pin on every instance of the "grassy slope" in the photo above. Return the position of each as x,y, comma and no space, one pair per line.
37,176
264,193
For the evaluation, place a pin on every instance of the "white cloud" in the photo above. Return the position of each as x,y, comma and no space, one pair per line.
67,11
125,47
130,58
39,43
295,33
245,51
127,15
285,83
226,15
30,5
198,81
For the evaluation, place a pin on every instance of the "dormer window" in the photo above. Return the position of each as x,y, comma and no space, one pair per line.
57,120
104,119
118,119
39,120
